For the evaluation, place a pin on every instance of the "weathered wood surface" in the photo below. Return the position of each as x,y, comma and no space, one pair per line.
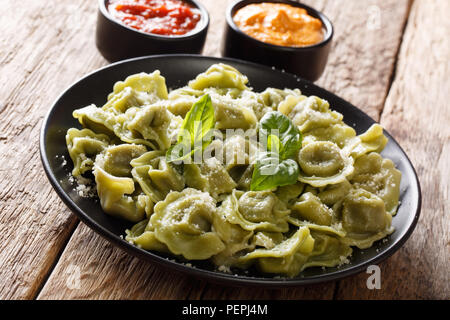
43,50
417,113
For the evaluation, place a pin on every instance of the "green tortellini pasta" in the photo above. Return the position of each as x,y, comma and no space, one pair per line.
145,125
152,86
234,108
335,229
230,114
255,210
155,176
262,207
288,257
309,112
142,234
310,208
379,176
328,251
120,102
364,218
116,160
272,97
323,163
372,140
220,76
343,195
181,100
289,194
152,123
334,193
119,196
235,238
129,114
237,151
209,176
184,222
267,240
340,134
96,119
83,146
245,179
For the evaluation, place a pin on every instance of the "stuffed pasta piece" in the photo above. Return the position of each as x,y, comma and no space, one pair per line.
184,222
119,195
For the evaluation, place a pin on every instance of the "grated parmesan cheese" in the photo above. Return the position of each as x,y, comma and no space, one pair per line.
85,187
343,260
224,269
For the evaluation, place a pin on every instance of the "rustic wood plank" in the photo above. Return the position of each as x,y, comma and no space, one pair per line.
107,272
366,42
92,268
417,114
40,50
216,10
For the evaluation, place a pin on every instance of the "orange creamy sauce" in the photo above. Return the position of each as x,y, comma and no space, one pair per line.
279,24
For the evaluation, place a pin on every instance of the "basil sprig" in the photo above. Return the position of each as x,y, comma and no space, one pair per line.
195,132
289,138
268,173
274,168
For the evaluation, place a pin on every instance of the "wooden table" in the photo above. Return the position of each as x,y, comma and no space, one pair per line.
389,57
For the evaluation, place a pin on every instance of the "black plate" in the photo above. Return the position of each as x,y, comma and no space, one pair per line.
178,70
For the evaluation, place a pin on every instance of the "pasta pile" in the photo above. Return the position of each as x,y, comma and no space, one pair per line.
335,192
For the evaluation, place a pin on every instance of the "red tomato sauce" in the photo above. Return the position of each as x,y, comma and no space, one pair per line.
164,17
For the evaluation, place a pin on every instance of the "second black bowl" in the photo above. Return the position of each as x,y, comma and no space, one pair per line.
116,41
308,62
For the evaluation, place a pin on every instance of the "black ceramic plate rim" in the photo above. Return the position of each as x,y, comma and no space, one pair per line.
204,20
216,276
325,20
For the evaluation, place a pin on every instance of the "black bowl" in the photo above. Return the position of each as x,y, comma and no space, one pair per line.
116,41
308,62
178,70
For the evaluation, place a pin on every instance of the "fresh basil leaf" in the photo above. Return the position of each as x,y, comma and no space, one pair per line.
274,168
273,143
195,131
200,119
178,153
290,138
269,173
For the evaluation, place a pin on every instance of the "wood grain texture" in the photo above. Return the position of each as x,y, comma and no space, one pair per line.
367,37
91,268
417,113
42,50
